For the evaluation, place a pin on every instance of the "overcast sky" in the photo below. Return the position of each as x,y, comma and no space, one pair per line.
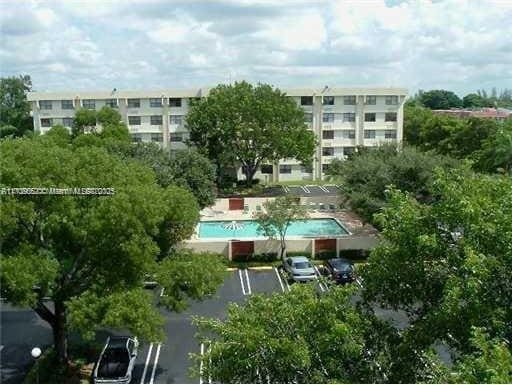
461,45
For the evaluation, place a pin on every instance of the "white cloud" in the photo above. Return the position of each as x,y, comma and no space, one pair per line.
455,44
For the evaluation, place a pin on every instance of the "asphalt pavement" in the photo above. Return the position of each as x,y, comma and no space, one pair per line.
165,362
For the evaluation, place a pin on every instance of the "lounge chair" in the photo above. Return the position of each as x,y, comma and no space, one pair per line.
312,206
321,207
258,209
246,209
332,207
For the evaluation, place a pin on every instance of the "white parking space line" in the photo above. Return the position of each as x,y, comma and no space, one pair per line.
305,189
323,189
210,363
162,292
249,291
157,356
279,279
359,283
143,378
201,364
242,282
286,189
322,287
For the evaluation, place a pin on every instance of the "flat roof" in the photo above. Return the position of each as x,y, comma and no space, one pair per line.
198,92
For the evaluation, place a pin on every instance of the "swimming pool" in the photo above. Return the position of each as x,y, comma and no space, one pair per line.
249,229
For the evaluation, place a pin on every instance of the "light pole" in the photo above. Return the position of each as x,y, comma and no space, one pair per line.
36,353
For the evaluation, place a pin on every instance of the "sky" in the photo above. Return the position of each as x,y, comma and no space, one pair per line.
460,45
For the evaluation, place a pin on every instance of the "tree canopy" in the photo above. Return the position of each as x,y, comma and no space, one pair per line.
90,253
366,176
447,264
440,99
297,337
15,116
244,125
278,215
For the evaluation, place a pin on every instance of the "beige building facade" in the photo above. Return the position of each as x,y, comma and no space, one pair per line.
341,118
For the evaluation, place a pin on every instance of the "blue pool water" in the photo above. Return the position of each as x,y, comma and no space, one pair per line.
249,229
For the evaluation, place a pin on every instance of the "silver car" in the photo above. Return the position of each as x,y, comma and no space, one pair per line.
299,269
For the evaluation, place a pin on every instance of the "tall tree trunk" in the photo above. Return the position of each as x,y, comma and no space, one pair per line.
249,172
283,248
60,337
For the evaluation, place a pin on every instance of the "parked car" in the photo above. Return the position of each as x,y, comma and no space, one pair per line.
341,270
299,269
116,361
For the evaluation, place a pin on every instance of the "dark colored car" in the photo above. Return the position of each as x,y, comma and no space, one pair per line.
116,361
341,270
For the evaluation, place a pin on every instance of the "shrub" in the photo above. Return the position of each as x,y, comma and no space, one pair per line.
325,254
354,253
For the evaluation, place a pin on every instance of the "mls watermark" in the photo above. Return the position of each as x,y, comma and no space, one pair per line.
57,191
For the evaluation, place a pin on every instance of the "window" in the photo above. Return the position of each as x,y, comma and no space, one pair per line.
370,117
328,101
67,122
306,100
267,169
327,151
45,104
328,117
137,138
348,151
155,102
46,122
176,119
390,117
285,169
328,134
369,134
390,134
112,103
156,120
308,117
349,100
307,169
134,120
348,134
391,100
67,104
90,104
155,137
371,100
175,102
176,137
349,117
325,167
133,103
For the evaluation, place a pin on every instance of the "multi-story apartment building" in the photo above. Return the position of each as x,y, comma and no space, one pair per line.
341,118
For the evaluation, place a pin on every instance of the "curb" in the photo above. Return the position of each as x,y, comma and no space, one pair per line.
252,268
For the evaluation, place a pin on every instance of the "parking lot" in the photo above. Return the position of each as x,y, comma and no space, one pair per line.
166,362
312,190
169,362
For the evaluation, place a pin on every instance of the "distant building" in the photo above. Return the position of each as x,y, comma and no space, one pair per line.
341,118
491,113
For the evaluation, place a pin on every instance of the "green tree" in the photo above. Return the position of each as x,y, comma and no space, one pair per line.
446,264
245,125
185,168
470,137
440,100
366,176
490,363
14,107
299,337
108,116
59,134
473,100
85,121
414,120
195,172
279,213
91,254
496,152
